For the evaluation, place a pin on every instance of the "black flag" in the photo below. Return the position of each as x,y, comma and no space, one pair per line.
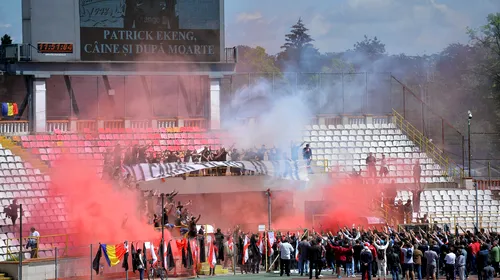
145,253
170,257
134,258
97,260
162,255
125,257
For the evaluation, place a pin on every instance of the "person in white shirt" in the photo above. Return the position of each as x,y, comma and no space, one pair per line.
381,258
33,243
449,261
286,250
408,261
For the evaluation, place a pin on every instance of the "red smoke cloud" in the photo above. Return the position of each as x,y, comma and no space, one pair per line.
348,200
96,208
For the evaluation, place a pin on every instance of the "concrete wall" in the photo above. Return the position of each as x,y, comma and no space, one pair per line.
232,184
52,21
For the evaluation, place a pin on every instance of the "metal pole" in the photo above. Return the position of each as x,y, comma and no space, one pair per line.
477,210
267,250
442,134
489,174
125,98
365,108
463,154
55,260
423,120
404,102
269,209
468,149
163,212
235,250
91,263
97,92
21,241
343,94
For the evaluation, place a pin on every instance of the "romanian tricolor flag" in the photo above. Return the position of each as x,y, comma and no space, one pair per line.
113,253
9,109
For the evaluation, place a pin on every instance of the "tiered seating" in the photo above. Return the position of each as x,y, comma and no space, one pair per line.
347,146
19,180
458,206
92,147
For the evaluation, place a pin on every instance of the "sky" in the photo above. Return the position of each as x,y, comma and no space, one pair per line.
413,27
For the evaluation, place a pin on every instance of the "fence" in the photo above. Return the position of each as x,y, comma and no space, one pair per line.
364,93
335,93
59,262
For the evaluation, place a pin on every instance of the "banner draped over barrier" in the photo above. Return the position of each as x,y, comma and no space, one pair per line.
284,169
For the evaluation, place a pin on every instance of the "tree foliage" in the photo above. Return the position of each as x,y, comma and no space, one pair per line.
6,40
299,54
255,60
372,48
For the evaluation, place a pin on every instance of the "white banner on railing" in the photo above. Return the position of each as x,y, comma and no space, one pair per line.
284,169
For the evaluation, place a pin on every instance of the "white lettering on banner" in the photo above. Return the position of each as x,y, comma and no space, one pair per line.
137,35
284,169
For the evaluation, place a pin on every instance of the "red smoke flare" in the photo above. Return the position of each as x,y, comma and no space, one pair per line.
99,211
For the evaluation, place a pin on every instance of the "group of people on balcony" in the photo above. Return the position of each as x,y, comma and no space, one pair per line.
136,154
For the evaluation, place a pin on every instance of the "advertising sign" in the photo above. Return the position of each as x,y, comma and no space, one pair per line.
150,30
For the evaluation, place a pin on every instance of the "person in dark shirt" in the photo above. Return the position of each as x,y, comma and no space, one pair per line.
488,273
314,256
366,260
357,248
307,155
303,248
117,156
141,153
482,260
192,233
370,164
156,221
417,173
12,211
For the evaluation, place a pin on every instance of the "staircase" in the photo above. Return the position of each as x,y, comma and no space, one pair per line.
26,156
4,276
449,168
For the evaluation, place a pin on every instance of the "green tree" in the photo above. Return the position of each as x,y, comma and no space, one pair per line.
370,47
338,65
486,41
255,60
299,54
6,40
487,37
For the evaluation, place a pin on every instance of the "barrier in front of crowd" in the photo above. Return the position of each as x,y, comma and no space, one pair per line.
77,261
42,247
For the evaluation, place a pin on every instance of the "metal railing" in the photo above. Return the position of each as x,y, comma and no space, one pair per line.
16,52
231,55
46,244
449,168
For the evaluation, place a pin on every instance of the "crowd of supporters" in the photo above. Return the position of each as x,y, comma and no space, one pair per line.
424,252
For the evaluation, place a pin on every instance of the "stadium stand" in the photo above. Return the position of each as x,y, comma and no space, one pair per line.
345,143
447,206
347,146
19,180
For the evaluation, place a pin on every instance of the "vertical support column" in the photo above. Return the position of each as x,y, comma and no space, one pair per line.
39,108
214,104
